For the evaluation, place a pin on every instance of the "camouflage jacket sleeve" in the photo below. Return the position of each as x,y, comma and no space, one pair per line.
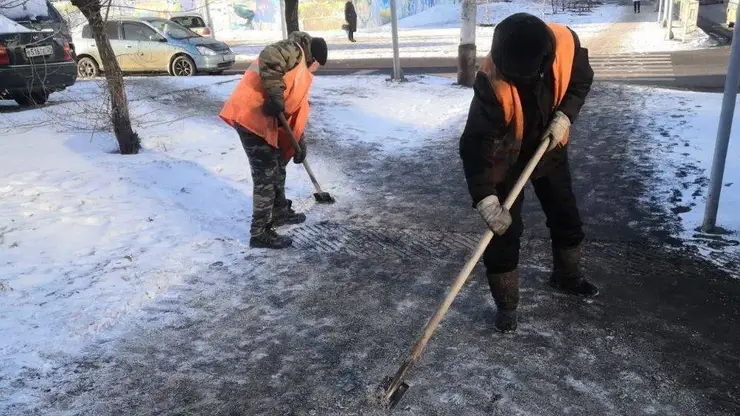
278,59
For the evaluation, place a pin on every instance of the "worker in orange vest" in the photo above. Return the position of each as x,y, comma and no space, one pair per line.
277,82
532,85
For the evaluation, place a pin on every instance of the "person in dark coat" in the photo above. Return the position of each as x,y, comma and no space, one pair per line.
351,17
547,72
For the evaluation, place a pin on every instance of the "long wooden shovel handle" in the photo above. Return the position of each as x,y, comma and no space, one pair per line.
297,147
462,277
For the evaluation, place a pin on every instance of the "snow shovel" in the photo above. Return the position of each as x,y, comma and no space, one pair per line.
393,388
320,196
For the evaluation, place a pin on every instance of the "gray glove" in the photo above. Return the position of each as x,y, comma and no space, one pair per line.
557,131
496,217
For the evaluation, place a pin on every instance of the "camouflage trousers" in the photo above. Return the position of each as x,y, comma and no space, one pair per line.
268,176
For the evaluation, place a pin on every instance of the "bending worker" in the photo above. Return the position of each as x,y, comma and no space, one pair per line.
277,82
532,85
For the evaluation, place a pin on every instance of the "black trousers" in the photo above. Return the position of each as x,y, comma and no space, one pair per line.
555,193
636,5
350,34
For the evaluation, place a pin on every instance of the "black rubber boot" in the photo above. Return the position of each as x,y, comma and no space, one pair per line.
505,291
567,276
286,216
270,239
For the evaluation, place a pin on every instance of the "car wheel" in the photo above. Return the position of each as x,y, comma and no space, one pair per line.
33,99
183,66
87,68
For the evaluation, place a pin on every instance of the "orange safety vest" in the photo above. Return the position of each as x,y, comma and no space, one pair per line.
244,107
507,94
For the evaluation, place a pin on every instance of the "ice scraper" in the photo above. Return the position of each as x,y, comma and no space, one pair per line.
393,388
320,196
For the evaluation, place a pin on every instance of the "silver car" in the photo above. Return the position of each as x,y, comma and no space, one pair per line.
154,45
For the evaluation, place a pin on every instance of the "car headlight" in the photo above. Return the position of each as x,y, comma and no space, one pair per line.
205,51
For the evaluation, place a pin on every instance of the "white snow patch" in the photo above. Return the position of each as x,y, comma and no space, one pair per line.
24,9
682,153
9,26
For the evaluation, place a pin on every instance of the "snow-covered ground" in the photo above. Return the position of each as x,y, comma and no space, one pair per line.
607,29
681,152
88,237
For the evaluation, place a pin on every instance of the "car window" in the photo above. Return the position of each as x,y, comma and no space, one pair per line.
190,21
111,28
138,32
173,29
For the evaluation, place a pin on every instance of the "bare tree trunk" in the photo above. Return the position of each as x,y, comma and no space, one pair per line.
128,140
291,15
466,51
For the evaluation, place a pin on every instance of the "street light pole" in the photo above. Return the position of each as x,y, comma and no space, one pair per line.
660,11
394,33
208,18
723,133
669,8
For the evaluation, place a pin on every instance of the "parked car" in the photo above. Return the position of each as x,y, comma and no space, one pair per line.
52,22
33,64
154,45
194,22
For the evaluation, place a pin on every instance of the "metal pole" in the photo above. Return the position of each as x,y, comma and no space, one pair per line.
207,5
669,34
394,30
283,25
723,133
660,11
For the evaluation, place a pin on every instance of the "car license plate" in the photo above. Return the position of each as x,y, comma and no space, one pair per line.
39,51
228,57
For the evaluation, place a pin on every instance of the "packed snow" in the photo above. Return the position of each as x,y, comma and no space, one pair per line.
9,26
90,236
24,9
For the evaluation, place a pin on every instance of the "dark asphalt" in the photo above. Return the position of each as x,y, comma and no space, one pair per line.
313,330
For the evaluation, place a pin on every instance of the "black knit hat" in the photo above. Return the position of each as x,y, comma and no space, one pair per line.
522,45
319,50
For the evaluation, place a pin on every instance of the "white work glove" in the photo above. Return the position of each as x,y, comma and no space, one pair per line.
496,217
557,130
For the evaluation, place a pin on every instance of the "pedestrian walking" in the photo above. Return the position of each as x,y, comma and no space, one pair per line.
531,85
351,17
277,82
636,5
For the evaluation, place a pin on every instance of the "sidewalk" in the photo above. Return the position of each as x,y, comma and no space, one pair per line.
216,328
609,29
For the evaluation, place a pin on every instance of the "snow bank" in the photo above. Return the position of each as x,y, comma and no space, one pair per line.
9,26
24,9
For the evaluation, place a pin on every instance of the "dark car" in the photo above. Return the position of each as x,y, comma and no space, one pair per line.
53,21
33,65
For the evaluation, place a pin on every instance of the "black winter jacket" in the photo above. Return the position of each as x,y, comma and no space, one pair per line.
350,16
485,128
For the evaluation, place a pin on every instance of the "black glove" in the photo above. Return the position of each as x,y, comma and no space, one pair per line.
273,107
300,155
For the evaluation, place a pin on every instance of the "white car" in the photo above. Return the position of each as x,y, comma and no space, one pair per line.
194,22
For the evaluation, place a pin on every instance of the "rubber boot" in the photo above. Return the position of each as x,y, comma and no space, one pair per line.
505,291
286,215
567,275
270,239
